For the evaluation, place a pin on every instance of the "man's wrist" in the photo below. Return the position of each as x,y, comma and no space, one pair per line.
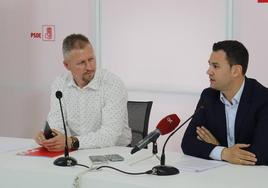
74,142
216,153
223,154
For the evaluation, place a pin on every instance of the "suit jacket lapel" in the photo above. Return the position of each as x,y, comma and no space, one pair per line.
222,121
242,110
218,114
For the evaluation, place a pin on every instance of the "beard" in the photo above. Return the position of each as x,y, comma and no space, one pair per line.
87,77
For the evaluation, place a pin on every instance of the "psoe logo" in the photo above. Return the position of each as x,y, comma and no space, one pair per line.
48,32
35,35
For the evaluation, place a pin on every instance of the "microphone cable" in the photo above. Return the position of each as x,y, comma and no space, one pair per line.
129,173
77,179
82,165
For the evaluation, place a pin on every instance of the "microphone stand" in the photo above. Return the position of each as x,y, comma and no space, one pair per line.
154,154
66,160
162,169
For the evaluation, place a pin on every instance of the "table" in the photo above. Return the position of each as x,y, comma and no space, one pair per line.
39,172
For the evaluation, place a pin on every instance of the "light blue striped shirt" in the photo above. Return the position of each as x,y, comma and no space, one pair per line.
230,112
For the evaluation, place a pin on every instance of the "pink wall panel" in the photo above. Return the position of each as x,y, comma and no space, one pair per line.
28,63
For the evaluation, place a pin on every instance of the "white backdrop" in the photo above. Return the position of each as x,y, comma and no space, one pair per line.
251,27
161,45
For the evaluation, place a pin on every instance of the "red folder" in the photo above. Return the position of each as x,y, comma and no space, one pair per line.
41,152
262,1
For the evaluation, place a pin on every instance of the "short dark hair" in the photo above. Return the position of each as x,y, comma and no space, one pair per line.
235,51
74,41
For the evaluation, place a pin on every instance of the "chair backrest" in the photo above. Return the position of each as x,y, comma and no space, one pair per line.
138,119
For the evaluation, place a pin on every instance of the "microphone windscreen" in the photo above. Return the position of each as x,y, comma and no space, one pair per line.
59,94
168,124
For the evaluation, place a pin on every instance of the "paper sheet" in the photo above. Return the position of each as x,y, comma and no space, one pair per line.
193,164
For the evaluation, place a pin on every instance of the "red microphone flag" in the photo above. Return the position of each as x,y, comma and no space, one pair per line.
168,124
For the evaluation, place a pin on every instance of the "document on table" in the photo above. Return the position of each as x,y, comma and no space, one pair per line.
12,144
193,164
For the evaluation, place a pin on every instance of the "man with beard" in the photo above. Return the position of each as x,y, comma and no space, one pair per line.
94,102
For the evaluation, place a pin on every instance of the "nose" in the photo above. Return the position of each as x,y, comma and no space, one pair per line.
89,65
209,71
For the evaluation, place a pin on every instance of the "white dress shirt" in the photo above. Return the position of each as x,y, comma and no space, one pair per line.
230,113
96,114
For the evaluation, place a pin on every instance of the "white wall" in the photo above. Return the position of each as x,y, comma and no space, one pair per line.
251,27
160,44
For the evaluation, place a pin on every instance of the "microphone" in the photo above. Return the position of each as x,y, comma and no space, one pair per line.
66,160
162,169
165,126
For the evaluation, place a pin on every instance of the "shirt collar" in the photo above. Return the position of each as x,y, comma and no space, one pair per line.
236,98
93,84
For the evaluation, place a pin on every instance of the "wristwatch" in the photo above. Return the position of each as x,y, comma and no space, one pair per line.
75,142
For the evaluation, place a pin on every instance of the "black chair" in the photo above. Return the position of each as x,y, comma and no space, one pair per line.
138,119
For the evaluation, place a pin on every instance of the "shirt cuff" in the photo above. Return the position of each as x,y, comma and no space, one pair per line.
216,153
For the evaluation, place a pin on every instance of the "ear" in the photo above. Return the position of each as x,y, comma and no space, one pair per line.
66,65
237,70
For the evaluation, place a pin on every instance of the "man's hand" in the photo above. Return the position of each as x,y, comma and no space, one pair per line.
39,138
205,135
56,143
237,155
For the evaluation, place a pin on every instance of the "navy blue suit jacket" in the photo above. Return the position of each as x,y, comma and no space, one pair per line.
251,123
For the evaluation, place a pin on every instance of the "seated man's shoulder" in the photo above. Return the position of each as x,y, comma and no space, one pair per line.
210,92
112,85
258,89
110,78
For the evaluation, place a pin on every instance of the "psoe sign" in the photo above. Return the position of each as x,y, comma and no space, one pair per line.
48,32
35,35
